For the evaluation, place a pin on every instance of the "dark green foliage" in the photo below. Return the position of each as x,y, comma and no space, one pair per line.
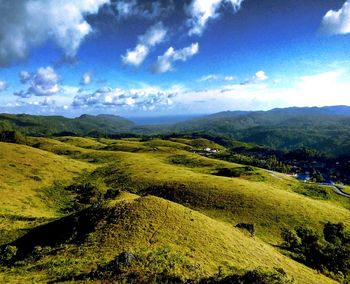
7,253
59,125
11,136
248,227
87,193
313,190
184,161
334,233
330,254
257,276
111,193
235,172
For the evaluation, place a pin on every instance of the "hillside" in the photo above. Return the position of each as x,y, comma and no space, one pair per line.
26,179
57,125
325,129
157,199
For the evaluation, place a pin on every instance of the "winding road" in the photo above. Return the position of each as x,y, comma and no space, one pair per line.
338,190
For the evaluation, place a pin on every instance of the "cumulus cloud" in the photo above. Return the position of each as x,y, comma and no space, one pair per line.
86,79
165,62
153,36
146,99
24,77
45,82
202,11
337,22
25,24
256,78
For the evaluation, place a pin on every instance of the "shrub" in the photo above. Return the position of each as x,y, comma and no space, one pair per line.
8,253
235,172
249,227
257,276
330,254
11,136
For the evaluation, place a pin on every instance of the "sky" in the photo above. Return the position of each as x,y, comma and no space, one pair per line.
172,57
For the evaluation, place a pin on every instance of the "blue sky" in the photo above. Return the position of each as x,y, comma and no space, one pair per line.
147,58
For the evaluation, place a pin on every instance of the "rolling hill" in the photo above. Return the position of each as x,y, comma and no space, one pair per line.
160,201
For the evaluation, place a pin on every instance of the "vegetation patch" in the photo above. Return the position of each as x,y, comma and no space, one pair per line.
313,190
329,253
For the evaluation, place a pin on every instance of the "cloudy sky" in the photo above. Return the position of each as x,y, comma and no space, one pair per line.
143,57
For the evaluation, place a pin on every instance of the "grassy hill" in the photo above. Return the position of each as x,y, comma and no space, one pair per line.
27,177
173,209
165,237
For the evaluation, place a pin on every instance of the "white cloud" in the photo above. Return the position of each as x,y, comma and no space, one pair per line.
211,77
320,89
260,76
25,24
24,77
202,11
153,36
256,78
216,77
165,61
45,82
229,78
86,79
147,98
337,22
3,86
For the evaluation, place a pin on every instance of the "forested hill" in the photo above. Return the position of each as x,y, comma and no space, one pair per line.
55,125
325,129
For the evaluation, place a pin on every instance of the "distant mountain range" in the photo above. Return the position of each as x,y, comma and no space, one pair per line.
326,129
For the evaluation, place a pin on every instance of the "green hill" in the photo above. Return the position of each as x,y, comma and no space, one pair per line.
58,125
174,210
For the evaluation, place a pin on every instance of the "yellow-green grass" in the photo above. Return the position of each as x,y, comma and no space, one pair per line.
199,143
199,244
82,142
346,189
269,202
267,199
24,170
24,173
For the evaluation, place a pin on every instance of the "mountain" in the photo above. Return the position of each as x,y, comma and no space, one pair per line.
326,129
54,125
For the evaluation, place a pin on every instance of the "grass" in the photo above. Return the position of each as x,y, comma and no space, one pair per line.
346,189
176,207
158,232
25,175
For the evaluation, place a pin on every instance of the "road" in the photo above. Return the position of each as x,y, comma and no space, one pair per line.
338,190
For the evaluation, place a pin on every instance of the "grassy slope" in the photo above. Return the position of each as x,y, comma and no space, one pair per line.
25,173
198,244
266,199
